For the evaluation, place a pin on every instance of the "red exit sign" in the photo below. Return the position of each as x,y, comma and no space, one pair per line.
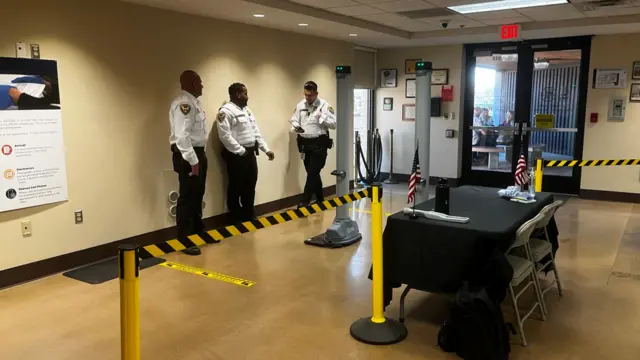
510,32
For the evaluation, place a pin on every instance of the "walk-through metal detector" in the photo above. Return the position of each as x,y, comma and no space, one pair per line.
344,231
423,119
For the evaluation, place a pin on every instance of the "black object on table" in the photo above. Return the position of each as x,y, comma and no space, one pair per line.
438,256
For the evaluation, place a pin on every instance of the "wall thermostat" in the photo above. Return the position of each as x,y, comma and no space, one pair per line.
617,106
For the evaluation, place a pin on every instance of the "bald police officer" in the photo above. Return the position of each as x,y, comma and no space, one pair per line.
241,138
189,134
312,120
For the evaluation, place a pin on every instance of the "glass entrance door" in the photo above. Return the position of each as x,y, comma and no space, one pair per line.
526,99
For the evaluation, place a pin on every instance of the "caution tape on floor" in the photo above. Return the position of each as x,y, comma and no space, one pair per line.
208,274
584,163
226,232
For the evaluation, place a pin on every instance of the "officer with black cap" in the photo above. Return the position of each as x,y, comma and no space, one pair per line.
311,121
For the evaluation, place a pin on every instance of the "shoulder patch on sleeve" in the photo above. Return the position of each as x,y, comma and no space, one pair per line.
221,115
185,108
331,110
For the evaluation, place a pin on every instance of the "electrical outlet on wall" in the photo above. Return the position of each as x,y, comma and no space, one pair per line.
79,217
35,51
26,228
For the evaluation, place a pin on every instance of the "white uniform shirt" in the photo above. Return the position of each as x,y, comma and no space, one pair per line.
237,128
316,119
188,125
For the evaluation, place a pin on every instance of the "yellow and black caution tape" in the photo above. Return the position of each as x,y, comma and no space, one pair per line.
208,274
226,232
585,163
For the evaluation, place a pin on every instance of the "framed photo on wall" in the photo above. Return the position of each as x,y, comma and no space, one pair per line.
410,88
408,112
634,96
410,66
388,78
387,104
635,73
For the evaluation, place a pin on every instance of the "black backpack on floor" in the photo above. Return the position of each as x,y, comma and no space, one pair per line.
476,329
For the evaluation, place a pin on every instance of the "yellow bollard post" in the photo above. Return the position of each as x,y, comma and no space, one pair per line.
376,329
129,271
538,175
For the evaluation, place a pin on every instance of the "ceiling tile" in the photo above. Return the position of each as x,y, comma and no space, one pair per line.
367,2
454,22
494,15
507,21
445,3
403,5
324,4
613,11
385,18
415,26
357,10
551,13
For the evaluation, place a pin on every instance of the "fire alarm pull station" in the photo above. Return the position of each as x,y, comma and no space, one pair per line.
447,92
594,117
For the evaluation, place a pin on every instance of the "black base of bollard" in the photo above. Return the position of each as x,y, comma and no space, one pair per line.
389,332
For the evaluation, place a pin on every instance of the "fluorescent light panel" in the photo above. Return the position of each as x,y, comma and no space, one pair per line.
503,5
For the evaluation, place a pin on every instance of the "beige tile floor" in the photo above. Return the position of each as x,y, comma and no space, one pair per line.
306,298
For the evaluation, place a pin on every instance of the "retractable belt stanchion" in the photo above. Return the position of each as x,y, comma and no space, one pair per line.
129,271
376,329
391,179
538,176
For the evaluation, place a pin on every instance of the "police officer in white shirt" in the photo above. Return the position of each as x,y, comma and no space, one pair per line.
312,120
241,138
189,134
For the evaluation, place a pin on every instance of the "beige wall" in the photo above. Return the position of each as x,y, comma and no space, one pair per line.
118,67
444,156
612,139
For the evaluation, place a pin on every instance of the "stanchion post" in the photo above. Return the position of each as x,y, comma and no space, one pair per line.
391,179
129,271
376,329
538,175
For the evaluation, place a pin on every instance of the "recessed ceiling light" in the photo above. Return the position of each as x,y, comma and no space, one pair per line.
303,25
503,5
353,34
258,15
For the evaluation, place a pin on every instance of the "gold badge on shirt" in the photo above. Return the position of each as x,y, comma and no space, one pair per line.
220,116
185,108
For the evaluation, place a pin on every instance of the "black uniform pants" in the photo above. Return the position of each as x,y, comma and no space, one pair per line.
243,176
315,157
189,207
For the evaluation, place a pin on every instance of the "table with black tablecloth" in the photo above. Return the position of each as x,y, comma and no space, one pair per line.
438,256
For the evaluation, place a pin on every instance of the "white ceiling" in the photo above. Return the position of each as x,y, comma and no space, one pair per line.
380,23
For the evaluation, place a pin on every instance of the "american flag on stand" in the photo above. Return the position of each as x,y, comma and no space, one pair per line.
521,175
414,179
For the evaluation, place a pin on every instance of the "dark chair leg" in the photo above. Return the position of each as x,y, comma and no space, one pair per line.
404,295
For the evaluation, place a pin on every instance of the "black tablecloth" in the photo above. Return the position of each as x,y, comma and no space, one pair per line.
438,256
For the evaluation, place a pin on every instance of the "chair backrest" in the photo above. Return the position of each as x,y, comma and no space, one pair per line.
524,232
547,213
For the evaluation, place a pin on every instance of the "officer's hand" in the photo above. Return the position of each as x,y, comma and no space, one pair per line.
299,130
271,155
195,170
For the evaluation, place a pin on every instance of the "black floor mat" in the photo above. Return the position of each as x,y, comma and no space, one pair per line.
105,270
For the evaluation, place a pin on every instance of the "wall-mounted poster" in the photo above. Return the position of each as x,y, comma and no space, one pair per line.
388,78
440,77
410,66
410,88
32,159
408,112
610,78
635,73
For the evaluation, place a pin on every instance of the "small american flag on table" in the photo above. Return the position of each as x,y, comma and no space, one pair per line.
521,175
414,179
